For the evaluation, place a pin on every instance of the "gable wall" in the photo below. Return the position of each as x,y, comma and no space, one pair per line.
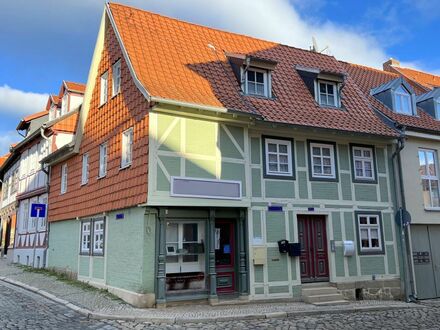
120,188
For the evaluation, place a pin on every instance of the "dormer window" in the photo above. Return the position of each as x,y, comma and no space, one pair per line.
328,94
402,101
64,104
257,82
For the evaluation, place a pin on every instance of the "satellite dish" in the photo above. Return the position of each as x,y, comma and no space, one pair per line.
315,47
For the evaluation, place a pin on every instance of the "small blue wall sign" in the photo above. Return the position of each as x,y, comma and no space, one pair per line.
38,210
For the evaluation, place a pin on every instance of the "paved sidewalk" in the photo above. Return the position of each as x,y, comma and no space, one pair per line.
98,304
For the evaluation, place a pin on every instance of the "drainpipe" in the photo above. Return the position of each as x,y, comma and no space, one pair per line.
404,232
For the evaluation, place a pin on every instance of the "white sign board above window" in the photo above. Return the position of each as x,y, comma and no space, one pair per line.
205,188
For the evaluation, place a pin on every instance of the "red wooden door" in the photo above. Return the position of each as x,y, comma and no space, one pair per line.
313,238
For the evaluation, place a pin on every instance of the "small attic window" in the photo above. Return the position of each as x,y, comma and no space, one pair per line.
328,93
437,109
402,101
257,82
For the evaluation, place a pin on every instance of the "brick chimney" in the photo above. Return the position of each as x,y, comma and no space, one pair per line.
390,63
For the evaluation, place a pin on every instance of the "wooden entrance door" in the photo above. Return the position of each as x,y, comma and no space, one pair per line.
313,238
225,255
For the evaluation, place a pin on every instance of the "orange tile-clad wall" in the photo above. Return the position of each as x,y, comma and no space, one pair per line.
121,187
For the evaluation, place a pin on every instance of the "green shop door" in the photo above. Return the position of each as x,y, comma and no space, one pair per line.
225,256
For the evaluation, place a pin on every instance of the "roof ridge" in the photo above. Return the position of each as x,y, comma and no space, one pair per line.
372,69
215,29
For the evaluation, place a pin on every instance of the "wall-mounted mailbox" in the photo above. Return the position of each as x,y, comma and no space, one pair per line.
283,246
259,255
295,249
348,248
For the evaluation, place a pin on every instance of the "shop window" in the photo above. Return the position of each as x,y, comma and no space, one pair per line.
185,255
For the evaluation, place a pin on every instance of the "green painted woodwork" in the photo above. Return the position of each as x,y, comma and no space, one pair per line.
234,171
391,259
255,151
64,245
172,166
383,186
344,162
280,188
256,182
346,187
349,226
172,142
352,266
276,265
201,137
259,290
336,223
365,192
256,223
387,223
200,168
238,134
302,185
293,262
98,267
227,147
325,190
130,251
372,265
275,226
84,266
301,153
380,159
339,261
279,289
258,274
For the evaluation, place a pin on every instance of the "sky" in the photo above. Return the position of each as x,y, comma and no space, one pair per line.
46,41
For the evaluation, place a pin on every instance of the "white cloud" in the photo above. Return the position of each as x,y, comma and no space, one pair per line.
6,139
17,102
275,20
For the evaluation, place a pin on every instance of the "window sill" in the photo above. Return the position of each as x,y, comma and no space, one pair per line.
123,167
113,96
97,254
278,176
84,183
432,209
325,179
101,177
368,181
101,105
372,252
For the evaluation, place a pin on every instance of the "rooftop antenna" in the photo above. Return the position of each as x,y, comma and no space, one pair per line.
314,48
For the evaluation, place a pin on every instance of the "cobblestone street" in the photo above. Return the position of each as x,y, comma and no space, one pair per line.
20,309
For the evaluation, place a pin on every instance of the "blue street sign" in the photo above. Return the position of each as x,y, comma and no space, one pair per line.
38,210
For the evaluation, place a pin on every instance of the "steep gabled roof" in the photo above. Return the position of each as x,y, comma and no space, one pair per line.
425,79
368,78
188,63
75,87
3,159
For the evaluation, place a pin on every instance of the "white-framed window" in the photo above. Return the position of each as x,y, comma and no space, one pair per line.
98,236
437,109
104,88
327,93
102,160
64,104
363,163
15,181
127,147
85,169
64,178
402,101
116,78
85,237
323,163
278,157
58,112
370,237
5,189
429,174
257,82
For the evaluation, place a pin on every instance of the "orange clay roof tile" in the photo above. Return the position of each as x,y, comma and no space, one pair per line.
368,78
75,87
423,78
67,124
172,60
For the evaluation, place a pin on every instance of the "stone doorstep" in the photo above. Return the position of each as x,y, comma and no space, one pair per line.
179,320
